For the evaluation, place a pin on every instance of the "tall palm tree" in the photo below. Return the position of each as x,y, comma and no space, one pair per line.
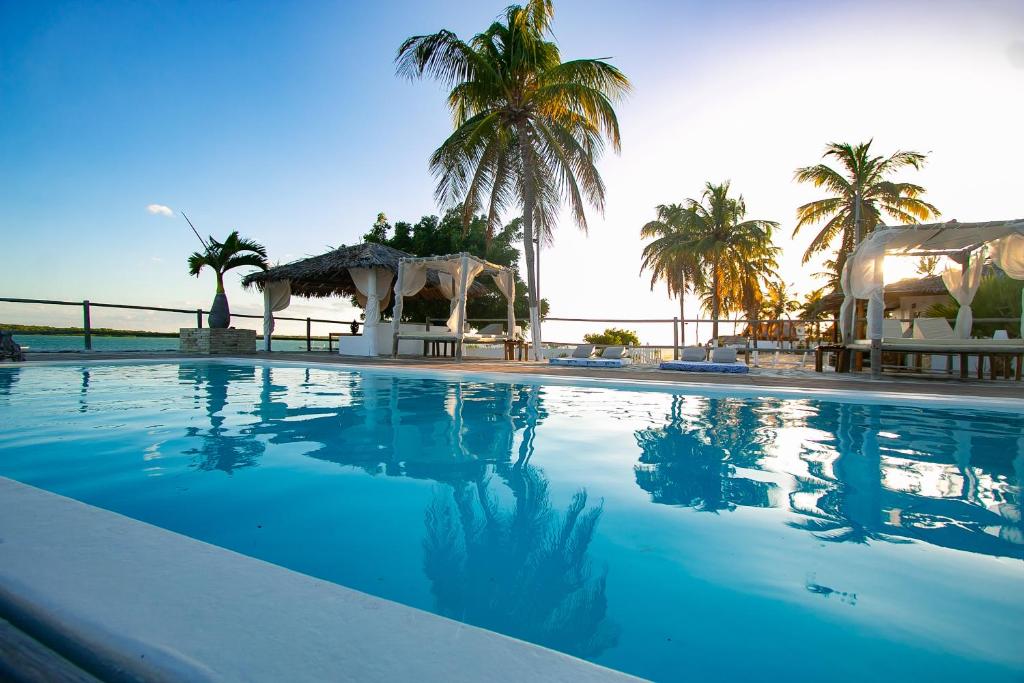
860,192
221,257
715,235
528,126
668,257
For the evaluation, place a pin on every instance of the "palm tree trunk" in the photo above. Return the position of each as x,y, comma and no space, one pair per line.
716,298
529,199
682,317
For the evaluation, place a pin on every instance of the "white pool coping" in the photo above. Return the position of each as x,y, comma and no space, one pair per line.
140,602
841,395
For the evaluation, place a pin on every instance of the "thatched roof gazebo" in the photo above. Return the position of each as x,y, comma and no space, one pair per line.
328,274
364,271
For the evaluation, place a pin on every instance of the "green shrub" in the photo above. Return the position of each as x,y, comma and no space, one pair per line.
613,336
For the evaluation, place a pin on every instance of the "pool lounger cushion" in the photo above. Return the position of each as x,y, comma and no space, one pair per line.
704,366
591,362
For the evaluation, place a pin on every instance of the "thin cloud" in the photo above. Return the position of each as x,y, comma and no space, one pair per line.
159,210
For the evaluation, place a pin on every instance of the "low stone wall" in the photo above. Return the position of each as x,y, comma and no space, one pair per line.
213,341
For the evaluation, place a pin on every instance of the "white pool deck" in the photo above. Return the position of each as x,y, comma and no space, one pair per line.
126,600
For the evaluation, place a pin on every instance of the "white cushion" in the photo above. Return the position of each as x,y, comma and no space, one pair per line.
614,352
723,355
583,351
695,353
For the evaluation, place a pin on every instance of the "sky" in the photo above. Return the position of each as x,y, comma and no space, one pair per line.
286,121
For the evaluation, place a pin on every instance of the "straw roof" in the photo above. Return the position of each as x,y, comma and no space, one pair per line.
327,274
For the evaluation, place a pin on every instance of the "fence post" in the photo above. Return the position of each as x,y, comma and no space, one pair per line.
309,338
87,325
199,318
675,338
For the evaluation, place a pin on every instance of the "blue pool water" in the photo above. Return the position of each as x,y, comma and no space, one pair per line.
673,536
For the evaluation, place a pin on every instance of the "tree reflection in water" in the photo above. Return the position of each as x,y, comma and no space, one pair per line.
693,460
894,477
873,472
219,449
523,571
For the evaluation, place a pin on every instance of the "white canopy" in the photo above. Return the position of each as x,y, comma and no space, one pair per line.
456,273
965,246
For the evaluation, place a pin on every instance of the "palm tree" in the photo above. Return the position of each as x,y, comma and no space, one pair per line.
221,257
727,248
668,257
528,126
860,193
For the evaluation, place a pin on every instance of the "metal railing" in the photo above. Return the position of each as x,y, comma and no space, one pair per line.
87,306
815,331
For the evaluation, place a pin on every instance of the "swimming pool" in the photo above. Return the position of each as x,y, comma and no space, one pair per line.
671,535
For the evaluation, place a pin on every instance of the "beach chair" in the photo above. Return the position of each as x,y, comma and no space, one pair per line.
582,357
723,359
892,329
932,328
694,354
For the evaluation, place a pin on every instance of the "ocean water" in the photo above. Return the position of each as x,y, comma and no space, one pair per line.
71,342
675,536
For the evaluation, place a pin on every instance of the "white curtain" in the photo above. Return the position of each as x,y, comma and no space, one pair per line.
276,297
361,278
962,283
447,286
848,306
867,280
1008,254
506,284
414,278
473,268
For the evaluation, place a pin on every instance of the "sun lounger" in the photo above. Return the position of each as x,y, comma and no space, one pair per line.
723,359
692,354
611,357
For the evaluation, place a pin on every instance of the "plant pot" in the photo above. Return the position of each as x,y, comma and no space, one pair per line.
220,314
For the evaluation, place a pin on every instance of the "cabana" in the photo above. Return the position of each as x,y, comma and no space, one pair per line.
364,271
456,274
965,247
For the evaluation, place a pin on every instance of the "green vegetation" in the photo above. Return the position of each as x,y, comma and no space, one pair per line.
95,331
707,244
861,189
998,296
613,336
432,236
528,126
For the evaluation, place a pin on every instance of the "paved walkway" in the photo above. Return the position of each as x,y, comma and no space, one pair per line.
758,377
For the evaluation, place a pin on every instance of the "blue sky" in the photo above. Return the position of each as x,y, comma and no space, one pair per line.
285,120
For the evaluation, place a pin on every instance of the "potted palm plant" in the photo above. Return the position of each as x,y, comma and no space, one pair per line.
221,257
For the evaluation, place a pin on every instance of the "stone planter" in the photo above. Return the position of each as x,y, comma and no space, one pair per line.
216,341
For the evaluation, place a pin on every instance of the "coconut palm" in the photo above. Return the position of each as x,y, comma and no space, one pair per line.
669,258
861,191
234,252
528,126
726,247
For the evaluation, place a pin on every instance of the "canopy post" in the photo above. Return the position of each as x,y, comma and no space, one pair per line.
396,313
876,313
268,317
510,301
463,281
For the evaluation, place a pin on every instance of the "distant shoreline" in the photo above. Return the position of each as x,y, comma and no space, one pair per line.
46,330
